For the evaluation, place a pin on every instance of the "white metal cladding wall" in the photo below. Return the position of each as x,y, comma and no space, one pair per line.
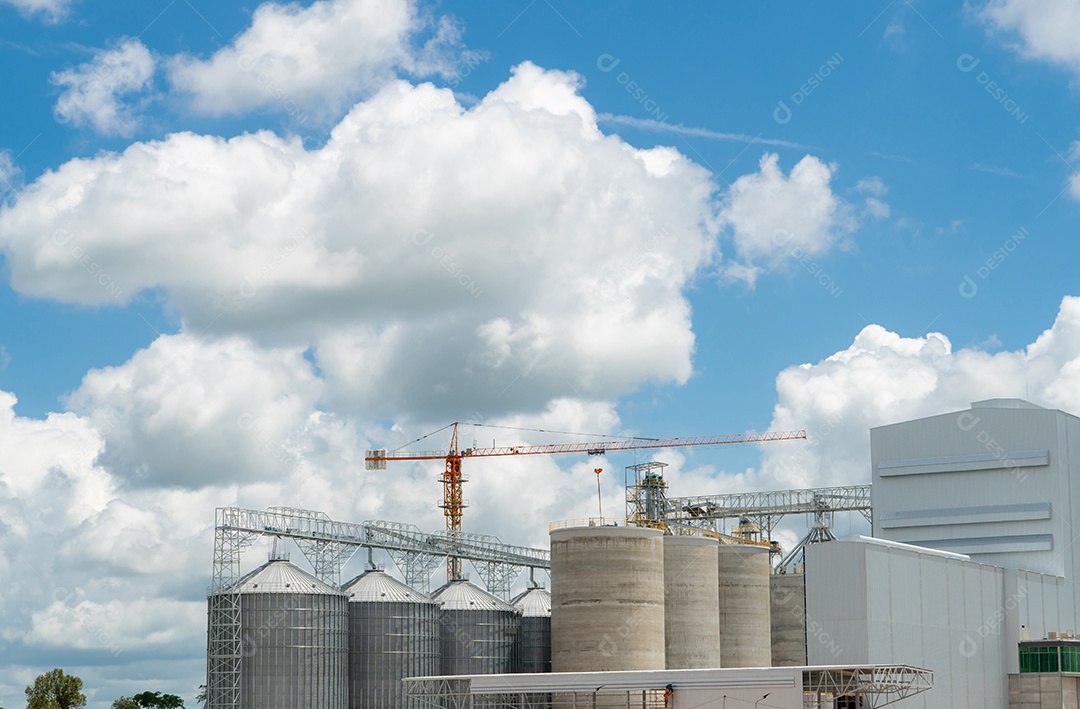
944,614
987,481
1032,509
836,604
1040,602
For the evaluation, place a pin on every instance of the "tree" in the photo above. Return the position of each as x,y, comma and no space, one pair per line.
126,703
55,690
157,700
200,698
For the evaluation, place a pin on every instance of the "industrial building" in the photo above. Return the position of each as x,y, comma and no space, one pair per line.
994,484
964,595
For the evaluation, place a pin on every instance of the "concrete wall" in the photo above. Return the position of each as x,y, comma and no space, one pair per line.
787,595
745,626
691,603
607,599
1043,691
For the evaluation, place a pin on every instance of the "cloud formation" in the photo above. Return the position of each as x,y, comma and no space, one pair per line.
883,378
90,535
501,259
9,172
313,60
184,410
774,218
106,92
513,233
1047,31
52,10
1047,28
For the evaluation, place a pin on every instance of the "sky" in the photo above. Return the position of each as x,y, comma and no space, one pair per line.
240,244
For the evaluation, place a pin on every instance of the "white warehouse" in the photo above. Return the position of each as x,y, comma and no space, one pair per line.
989,602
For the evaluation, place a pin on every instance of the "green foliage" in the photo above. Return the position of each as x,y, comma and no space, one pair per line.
55,690
157,700
126,703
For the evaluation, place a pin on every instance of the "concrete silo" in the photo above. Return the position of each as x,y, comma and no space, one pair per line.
534,641
787,600
295,639
393,633
477,630
607,599
691,604
745,626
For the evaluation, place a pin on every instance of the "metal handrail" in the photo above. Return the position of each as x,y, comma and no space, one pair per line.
588,522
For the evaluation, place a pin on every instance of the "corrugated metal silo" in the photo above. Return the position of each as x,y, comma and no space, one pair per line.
607,599
295,639
478,631
534,640
745,625
393,633
691,604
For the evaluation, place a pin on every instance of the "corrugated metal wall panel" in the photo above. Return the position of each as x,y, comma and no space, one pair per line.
945,614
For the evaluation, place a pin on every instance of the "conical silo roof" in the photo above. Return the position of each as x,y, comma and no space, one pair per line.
461,595
280,576
377,586
534,603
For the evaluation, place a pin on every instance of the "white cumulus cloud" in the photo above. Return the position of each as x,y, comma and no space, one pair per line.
875,189
52,10
884,378
104,93
128,553
312,60
104,576
773,217
184,411
116,626
10,173
1047,28
513,233
1074,180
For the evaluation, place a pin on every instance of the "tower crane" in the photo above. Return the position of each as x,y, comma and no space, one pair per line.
453,504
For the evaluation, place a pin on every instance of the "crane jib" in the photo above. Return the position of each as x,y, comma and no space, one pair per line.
589,448
453,503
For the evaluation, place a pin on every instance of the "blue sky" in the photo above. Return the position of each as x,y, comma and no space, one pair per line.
357,220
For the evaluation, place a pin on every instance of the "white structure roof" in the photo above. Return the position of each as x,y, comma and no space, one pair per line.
534,603
377,586
785,687
861,539
280,576
642,679
462,595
